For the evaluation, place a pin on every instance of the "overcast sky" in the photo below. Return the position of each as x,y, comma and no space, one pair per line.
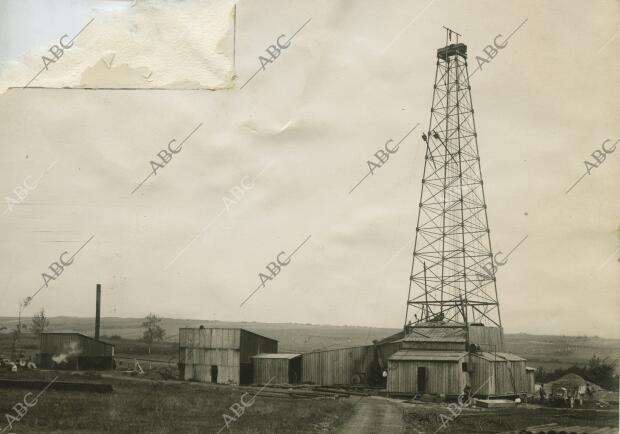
298,136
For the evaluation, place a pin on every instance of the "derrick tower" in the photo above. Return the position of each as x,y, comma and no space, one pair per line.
449,283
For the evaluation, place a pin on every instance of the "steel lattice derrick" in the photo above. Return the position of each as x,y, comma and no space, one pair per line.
452,249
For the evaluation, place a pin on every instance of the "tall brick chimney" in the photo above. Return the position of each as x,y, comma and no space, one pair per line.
98,312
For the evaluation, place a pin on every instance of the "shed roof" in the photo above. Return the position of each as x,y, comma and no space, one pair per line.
434,356
498,357
77,334
510,357
392,338
276,356
435,332
491,357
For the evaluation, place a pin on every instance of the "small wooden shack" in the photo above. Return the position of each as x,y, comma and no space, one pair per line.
432,372
531,377
74,351
277,368
446,372
220,355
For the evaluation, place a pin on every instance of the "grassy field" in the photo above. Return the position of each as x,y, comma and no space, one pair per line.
143,406
426,418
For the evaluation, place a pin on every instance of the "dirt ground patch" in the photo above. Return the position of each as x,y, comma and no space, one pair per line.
374,415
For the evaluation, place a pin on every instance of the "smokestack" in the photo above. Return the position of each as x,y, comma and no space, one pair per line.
98,312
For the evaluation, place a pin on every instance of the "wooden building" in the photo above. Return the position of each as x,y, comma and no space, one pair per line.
74,351
353,365
447,372
441,358
432,372
277,368
220,355
531,377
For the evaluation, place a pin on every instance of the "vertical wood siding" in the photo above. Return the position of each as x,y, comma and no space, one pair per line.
198,361
252,344
336,366
441,377
490,339
482,377
531,382
506,377
339,366
275,370
227,348
209,338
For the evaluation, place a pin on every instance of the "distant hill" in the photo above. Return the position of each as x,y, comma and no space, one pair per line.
546,351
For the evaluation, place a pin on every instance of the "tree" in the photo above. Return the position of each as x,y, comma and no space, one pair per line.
39,323
19,327
602,371
153,330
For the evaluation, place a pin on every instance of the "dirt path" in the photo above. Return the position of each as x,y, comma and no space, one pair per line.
375,415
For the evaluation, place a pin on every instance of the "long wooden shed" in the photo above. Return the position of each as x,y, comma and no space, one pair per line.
220,355
74,351
277,368
344,366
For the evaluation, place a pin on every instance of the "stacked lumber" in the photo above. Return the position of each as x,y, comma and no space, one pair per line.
297,393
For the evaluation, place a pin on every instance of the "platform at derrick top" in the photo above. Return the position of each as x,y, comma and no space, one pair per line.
452,50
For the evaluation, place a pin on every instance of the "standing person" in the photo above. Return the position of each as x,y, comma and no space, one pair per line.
589,391
580,393
541,392
467,395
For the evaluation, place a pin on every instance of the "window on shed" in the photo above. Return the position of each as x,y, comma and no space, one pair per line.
464,366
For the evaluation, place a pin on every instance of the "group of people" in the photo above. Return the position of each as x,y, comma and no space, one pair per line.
21,362
570,397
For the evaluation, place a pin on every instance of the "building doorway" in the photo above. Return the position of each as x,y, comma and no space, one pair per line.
421,379
213,373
